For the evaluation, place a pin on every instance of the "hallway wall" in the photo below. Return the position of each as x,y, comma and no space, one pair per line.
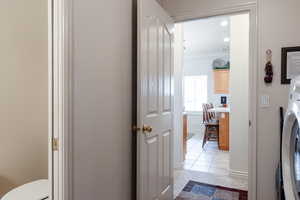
239,94
278,27
102,99
24,93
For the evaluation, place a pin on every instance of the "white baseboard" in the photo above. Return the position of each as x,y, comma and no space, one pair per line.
238,174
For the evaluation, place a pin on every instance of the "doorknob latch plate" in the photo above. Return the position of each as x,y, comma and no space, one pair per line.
144,129
147,129
136,129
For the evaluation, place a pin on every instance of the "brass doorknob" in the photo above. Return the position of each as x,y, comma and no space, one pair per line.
147,129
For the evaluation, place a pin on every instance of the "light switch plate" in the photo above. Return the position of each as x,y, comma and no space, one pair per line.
265,101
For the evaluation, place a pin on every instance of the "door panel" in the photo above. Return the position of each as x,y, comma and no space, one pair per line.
152,66
152,164
166,162
155,98
167,48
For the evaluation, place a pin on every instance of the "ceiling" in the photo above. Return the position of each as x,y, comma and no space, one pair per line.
206,36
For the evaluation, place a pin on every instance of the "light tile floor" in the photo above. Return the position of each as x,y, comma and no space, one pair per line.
210,159
208,165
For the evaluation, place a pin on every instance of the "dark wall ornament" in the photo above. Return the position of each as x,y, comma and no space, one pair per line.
269,68
290,64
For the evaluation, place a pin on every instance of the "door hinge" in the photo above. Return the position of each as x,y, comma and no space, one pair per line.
55,143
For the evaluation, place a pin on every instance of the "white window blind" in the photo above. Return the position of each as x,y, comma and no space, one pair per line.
195,92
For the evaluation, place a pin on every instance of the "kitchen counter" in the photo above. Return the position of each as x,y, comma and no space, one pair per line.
220,110
223,116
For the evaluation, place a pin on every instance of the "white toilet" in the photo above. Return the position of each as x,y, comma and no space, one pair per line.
37,190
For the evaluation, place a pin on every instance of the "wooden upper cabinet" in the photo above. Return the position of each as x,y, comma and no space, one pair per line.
221,80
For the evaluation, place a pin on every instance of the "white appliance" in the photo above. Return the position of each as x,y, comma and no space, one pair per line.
291,144
37,190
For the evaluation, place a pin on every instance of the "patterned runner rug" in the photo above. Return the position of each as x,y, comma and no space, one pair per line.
200,191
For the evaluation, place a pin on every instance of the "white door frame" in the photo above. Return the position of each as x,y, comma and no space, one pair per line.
60,101
253,63
50,101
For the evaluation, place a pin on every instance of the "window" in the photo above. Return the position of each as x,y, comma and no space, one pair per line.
195,92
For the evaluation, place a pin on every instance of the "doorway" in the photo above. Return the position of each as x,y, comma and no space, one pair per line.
212,102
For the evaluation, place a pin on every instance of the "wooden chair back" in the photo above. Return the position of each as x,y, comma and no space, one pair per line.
212,114
207,116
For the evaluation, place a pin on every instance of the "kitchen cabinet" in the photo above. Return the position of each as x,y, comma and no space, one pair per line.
223,116
224,131
221,81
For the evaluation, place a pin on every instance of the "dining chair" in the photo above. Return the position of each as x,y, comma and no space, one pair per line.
211,132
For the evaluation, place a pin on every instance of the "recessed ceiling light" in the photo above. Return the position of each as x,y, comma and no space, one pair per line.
224,23
227,39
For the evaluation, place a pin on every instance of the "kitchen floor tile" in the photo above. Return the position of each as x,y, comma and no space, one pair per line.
209,165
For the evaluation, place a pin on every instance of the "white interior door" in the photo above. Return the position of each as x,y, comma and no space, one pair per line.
155,102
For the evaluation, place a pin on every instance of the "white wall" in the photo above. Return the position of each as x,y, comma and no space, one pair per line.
239,91
202,65
278,27
24,93
102,99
